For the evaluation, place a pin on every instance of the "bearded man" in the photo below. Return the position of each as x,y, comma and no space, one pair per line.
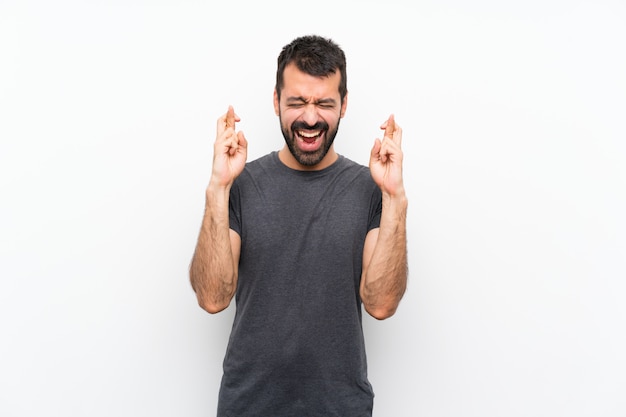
304,239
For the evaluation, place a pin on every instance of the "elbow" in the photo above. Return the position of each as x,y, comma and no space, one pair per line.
212,303
381,312
212,307
381,306
209,300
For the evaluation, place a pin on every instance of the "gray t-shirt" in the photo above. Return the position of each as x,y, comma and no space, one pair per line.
296,348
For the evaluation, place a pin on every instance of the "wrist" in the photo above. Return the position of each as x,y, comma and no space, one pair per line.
217,192
395,206
217,186
398,198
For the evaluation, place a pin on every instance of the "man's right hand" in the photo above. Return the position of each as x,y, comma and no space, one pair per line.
230,150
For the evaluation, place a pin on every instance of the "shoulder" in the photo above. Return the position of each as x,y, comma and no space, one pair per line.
258,168
354,171
346,162
264,162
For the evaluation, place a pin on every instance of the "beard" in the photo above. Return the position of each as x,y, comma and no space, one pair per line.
308,158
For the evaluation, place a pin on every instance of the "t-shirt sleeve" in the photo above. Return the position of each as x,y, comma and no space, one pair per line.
376,208
234,208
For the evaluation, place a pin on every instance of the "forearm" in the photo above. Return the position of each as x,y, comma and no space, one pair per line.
384,280
213,270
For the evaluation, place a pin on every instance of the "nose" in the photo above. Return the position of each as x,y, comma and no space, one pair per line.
310,115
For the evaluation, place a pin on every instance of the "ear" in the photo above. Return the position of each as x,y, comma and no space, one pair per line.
344,106
276,103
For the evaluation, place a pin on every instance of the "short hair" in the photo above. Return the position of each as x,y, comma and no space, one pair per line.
315,56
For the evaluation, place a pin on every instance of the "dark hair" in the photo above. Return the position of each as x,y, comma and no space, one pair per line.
315,56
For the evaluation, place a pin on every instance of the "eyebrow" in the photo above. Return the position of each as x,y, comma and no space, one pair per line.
301,99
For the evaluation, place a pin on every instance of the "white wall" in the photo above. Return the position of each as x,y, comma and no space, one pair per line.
513,118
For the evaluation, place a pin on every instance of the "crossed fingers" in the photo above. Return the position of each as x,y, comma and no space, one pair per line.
390,144
392,130
229,139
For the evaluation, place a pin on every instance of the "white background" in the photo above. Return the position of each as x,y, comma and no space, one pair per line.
515,162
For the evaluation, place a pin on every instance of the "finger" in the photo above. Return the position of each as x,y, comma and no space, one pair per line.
227,121
395,145
385,153
231,145
236,143
385,150
230,117
397,136
390,127
241,138
375,152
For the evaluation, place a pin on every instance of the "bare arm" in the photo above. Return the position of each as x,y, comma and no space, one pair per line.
385,268
213,270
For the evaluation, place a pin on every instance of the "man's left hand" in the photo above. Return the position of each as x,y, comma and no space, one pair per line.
386,159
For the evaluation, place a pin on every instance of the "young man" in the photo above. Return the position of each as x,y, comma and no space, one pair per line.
302,237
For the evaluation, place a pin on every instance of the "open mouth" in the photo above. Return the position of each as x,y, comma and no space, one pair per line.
309,137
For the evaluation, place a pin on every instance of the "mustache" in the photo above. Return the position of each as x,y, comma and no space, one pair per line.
304,126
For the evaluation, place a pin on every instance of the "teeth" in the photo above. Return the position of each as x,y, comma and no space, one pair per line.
308,135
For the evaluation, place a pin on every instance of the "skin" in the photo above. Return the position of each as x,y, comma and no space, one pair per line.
213,270
309,100
385,267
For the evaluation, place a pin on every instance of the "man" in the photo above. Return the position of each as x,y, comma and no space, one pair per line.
302,237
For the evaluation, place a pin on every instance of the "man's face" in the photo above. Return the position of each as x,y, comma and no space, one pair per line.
309,110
